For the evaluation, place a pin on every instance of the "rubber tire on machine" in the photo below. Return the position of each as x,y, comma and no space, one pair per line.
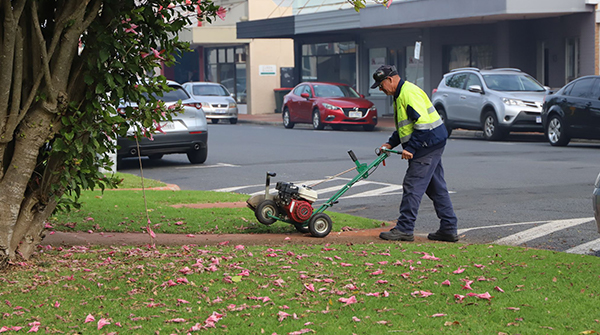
444,118
491,129
155,157
286,119
320,225
368,127
214,121
197,156
233,120
556,132
265,207
301,229
316,120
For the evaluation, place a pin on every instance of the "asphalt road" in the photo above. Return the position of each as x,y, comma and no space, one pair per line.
521,191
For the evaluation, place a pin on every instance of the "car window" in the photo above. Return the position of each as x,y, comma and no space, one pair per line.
582,88
457,80
512,82
307,90
298,90
177,94
473,80
334,91
596,89
211,90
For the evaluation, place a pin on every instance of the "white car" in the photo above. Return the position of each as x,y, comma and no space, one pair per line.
217,102
187,133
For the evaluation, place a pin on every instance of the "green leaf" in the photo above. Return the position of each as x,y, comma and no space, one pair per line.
100,88
88,79
69,136
104,55
236,279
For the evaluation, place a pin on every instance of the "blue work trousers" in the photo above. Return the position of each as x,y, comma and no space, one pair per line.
425,175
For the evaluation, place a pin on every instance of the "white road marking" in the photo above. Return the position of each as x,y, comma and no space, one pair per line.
539,231
461,231
218,165
585,248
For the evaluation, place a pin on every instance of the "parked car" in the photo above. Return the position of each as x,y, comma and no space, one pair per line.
327,104
187,133
573,112
217,102
596,201
496,101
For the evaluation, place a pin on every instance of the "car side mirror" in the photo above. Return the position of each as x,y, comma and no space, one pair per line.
475,89
305,95
232,95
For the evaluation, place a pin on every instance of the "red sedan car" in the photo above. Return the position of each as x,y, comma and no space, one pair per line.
327,104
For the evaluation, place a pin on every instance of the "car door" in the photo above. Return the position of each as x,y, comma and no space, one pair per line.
292,102
471,102
592,116
578,105
305,105
454,104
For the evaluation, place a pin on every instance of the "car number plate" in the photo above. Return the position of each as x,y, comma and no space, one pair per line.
355,114
538,119
221,111
168,126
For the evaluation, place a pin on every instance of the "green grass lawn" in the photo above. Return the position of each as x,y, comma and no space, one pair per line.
124,211
427,288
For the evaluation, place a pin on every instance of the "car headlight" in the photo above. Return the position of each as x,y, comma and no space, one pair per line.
513,102
232,104
330,106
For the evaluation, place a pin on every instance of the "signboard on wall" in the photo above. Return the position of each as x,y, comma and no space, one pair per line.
267,70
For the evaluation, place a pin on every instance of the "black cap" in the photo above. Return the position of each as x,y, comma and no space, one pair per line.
383,72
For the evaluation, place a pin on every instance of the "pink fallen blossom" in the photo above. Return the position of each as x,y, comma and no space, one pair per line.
239,247
282,315
89,318
223,243
355,319
376,273
181,301
211,320
348,301
375,294
176,320
151,232
186,271
405,275
300,332
422,294
485,295
310,287
190,235
479,266
446,282
381,282
437,315
459,297
345,264
430,257
102,322
386,293
497,288
467,285
460,270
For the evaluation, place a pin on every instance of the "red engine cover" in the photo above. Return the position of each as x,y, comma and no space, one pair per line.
299,210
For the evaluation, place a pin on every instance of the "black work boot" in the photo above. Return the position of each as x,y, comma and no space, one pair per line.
438,236
396,235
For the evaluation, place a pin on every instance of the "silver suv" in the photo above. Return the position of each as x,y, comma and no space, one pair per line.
496,101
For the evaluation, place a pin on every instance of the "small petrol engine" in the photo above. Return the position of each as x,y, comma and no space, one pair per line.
296,200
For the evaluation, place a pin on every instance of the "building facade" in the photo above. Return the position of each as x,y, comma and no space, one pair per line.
553,40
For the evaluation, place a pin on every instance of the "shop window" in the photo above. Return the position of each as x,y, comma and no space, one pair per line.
227,65
572,59
457,56
333,62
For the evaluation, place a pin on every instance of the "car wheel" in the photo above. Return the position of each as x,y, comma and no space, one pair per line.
233,120
444,118
556,132
491,129
214,121
198,156
317,124
320,225
368,127
286,119
155,157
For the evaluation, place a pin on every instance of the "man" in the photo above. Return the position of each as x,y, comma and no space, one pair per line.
423,135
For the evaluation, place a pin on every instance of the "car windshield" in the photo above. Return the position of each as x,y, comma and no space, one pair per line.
211,90
177,94
334,91
512,82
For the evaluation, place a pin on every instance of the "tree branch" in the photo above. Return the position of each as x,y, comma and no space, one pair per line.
52,94
13,117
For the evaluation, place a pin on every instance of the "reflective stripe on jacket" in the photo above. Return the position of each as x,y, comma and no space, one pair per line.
411,94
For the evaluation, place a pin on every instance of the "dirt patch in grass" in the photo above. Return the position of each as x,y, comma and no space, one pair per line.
237,204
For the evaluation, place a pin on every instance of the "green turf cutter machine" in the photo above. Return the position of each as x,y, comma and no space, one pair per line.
293,203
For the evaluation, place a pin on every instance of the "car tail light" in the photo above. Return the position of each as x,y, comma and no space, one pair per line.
434,90
196,132
196,105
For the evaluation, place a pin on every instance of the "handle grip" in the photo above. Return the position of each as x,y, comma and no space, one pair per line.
352,156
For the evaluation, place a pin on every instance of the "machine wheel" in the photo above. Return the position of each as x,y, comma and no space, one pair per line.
155,157
214,121
233,120
197,156
319,225
444,118
556,132
264,209
286,119
491,129
302,229
368,127
317,124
